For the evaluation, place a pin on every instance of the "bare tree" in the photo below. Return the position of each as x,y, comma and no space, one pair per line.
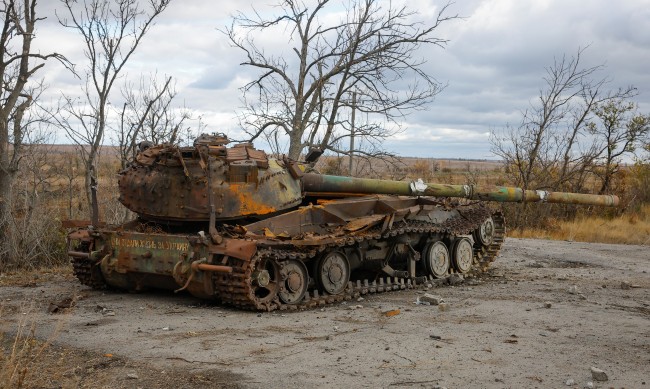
370,52
551,148
33,238
641,174
18,64
148,115
111,32
620,129
70,169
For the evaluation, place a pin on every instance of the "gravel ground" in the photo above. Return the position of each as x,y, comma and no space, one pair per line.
545,314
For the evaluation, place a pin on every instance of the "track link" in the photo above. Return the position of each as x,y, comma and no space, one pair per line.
87,273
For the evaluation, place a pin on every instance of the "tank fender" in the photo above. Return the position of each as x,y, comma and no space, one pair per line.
237,248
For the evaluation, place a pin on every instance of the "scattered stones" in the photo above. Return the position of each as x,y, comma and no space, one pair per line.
430,299
132,376
598,374
438,282
589,385
570,382
455,279
548,305
104,311
573,289
360,299
626,285
391,312
68,302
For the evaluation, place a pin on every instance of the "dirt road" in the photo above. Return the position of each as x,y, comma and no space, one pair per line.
544,315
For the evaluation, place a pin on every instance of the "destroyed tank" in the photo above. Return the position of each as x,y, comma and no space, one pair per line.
234,225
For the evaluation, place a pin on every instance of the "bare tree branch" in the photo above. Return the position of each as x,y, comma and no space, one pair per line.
552,148
111,31
371,51
18,92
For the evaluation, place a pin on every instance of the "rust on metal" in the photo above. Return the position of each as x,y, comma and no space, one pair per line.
170,183
215,268
235,225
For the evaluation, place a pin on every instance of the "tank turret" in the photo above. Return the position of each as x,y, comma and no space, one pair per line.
169,183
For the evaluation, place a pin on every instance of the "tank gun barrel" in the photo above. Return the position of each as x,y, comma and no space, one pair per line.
339,186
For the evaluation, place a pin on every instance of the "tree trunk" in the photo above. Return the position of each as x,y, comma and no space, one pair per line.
608,175
6,177
295,145
87,181
606,182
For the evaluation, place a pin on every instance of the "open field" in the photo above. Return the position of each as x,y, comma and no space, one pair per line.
631,228
545,314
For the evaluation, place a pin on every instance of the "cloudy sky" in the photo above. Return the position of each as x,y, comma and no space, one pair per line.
493,64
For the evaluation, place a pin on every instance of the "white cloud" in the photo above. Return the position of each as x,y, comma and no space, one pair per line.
493,65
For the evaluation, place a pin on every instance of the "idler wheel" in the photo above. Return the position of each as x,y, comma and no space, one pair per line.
294,281
485,233
463,255
266,281
333,272
436,259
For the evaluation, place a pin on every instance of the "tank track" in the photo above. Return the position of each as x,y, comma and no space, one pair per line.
237,289
87,273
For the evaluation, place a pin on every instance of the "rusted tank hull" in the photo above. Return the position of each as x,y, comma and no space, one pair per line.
304,258
136,261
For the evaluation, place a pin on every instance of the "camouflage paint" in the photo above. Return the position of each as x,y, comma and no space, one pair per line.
318,184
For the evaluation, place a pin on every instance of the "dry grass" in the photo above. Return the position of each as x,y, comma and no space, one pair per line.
626,229
31,277
28,360
19,352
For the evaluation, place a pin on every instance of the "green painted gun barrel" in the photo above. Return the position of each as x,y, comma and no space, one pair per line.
339,186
